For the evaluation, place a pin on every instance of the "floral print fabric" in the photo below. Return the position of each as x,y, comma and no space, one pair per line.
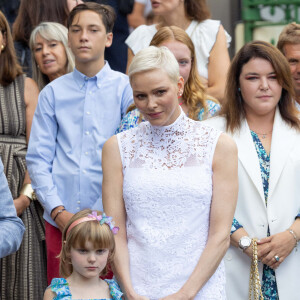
60,287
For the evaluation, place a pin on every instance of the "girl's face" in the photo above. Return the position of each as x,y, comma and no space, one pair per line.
260,89
88,262
72,3
183,55
156,96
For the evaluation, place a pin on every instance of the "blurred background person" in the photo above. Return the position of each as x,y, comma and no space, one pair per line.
30,14
209,38
23,274
289,45
194,101
259,113
51,55
141,13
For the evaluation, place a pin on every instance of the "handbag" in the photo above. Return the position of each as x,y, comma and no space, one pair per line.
254,282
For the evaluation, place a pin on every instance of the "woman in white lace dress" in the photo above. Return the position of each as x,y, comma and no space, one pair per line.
171,186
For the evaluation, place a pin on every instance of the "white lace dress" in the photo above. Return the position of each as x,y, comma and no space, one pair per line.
167,191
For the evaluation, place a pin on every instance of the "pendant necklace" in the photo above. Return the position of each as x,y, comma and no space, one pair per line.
263,135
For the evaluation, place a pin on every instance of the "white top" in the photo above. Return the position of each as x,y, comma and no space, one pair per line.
203,35
167,191
297,105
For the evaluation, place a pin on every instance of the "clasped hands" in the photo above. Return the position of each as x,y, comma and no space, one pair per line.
176,296
280,244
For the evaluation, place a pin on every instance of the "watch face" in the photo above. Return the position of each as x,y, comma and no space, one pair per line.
245,242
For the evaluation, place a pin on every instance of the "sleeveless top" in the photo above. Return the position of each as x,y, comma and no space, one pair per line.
167,191
61,288
203,34
23,274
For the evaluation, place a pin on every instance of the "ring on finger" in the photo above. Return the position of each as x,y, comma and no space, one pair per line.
277,258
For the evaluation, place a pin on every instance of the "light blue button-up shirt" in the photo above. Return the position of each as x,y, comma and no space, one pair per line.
74,117
11,227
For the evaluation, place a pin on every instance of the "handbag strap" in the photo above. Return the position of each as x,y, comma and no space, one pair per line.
254,282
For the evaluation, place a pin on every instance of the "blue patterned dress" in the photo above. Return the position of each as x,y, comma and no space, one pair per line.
61,288
132,118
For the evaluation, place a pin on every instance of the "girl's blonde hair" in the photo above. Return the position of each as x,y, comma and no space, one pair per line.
100,236
194,92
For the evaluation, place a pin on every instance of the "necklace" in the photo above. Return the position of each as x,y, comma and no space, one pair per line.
263,135
181,103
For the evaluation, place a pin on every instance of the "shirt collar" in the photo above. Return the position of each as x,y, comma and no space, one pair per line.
81,79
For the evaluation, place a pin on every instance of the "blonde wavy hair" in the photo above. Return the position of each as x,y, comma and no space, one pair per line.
194,92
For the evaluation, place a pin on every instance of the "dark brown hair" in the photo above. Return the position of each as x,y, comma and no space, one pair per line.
197,10
233,108
33,12
9,67
289,35
100,236
106,12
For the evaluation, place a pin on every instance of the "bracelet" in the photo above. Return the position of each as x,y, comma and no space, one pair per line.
59,212
294,236
28,191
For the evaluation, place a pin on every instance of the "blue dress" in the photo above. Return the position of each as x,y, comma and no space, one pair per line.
60,287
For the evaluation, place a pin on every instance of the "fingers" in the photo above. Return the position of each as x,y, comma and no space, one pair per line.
264,240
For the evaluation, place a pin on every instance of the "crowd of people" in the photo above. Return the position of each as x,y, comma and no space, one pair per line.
177,180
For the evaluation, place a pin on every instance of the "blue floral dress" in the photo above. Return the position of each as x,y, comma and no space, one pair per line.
61,288
132,118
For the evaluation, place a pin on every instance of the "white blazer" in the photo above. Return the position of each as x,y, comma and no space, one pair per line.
251,211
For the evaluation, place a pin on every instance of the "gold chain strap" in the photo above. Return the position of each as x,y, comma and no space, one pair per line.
254,283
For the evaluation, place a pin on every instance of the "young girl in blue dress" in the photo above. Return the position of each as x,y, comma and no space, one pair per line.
88,246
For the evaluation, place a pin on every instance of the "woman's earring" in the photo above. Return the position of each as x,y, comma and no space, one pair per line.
2,47
239,89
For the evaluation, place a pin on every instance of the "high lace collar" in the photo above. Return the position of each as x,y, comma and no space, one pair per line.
175,127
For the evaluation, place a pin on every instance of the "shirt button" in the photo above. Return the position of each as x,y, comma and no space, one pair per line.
78,202
78,208
87,132
84,171
86,153
90,93
88,113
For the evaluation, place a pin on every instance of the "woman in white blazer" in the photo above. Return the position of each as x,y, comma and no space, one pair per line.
261,117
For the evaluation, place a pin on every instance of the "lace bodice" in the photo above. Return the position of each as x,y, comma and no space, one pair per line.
167,191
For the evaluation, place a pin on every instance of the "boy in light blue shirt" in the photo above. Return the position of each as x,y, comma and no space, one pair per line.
76,114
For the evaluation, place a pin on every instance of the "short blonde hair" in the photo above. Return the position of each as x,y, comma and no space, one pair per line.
50,31
100,236
289,35
152,58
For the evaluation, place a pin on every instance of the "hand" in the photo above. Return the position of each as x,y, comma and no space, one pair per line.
136,297
280,244
21,203
62,219
177,296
